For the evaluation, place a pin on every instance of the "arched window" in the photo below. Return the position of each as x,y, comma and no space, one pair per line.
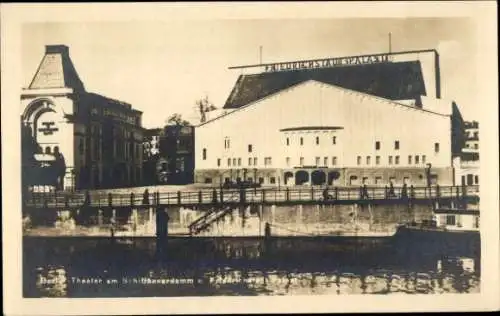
47,150
56,150
204,154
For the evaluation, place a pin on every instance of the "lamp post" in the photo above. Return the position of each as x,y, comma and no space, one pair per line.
428,174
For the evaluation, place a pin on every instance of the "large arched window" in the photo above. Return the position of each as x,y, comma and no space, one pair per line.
48,150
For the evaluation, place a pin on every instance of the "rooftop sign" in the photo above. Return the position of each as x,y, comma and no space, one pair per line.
326,63
337,61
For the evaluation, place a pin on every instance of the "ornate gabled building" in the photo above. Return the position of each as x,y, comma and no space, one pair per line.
97,139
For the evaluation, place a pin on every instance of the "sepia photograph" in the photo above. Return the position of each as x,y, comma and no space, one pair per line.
244,155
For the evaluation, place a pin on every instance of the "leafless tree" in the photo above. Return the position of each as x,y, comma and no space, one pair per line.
204,105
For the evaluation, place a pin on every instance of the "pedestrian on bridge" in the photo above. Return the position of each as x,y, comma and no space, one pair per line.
364,192
404,191
86,201
391,190
214,196
145,197
326,196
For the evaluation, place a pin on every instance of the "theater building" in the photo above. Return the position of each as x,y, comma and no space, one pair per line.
99,139
341,121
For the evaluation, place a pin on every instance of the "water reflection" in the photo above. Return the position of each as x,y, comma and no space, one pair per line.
129,269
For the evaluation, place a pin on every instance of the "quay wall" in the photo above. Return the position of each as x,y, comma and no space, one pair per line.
294,220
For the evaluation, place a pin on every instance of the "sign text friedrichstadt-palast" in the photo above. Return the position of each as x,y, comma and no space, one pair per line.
325,63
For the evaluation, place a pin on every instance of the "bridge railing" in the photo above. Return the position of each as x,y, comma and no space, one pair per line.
208,196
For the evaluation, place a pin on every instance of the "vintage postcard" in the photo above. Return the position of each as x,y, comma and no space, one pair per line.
246,158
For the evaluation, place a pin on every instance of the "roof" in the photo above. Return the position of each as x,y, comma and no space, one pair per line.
389,80
393,102
56,70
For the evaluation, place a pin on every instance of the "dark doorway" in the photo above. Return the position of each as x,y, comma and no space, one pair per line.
318,177
301,177
288,175
332,176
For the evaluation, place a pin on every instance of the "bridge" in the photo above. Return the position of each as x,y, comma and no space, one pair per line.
217,202
258,196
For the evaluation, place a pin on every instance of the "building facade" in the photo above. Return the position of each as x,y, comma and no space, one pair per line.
318,133
169,155
99,139
472,138
376,123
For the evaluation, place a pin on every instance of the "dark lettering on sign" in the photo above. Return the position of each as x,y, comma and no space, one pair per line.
325,63
48,129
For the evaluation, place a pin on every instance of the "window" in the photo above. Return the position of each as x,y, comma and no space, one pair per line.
450,220
267,161
261,180
218,162
204,154
47,150
365,180
234,162
272,180
255,161
390,160
287,161
377,160
476,146
301,141
249,148
475,134
423,158
334,161
417,160
208,180
368,160
409,160
325,161
476,222
334,140
317,140
470,177
229,162
378,180
396,160
396,145
317,161
476,179
359,160
226,143
377,145
301,161
250,161
436,147
288,141
239,161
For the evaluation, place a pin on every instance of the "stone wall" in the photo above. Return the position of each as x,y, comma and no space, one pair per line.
298,220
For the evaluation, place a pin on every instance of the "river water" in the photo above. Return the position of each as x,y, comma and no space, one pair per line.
126,267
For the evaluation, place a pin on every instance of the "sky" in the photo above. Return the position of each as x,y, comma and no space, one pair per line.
163,67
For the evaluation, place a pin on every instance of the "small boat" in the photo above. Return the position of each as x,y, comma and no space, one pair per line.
450,230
